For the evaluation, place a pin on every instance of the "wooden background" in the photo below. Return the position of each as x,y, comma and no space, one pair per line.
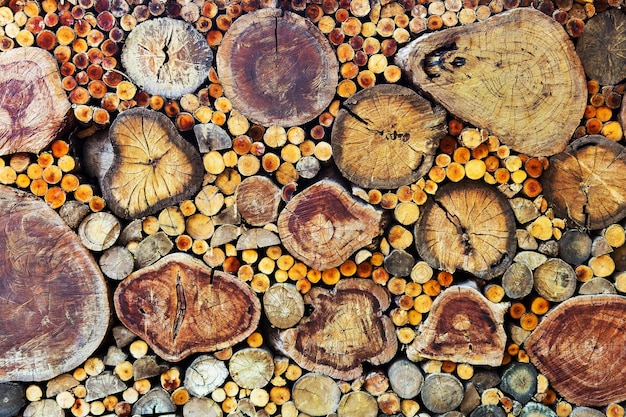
325,208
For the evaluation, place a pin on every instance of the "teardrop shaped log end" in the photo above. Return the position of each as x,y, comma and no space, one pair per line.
464,327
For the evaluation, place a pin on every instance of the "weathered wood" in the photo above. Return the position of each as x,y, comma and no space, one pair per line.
33,105
11,399
316,394
357,404
555,280
535,83
116,263
283,305
520,381
99,231
147,367
386,136
277,68
156,401
256,238
578,346
191,293
55,311
601,47
100,386
205,374
597,286
533,409
352,314
517,281
251,368
44,408
323,225
167,57
468,226
211,137
200,406
575,246
257,200
405,378
441,393
587,182
463,326
154,167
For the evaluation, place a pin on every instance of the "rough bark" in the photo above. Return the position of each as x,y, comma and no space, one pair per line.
167,57
33,105
386,136
154,167
277,68
179,307
516,74
347,327
464,327
579,347
602,49
587,182
53,297
468,226
324,225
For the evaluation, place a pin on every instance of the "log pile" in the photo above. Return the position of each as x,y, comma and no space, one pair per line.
290,208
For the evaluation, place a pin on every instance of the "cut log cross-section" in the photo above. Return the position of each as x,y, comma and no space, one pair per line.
153,166
277,68
324,225
587,182
167,57
33,105
346,328
468,226
179,306
386,136
53,297
579,346
516,74
464,327
602,47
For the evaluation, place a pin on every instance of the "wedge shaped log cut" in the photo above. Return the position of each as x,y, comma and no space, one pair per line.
516,74
468,226
587,182
33,104
347,327
153,166
463,327
167,57
277,68
324,225
386,136
179,306
579,346
53,297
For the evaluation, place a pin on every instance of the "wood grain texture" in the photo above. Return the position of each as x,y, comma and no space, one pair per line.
347,327
468,226
55,313
277,68
167,57
179,306
33,104
324,225
463,327
516,74
153,166
579,347
587,182
386,136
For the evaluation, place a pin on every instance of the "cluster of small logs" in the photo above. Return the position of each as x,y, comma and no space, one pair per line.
350,208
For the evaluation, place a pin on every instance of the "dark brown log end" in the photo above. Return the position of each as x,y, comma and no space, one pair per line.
324,225
579,347
179,306
347,327
277,68
463,327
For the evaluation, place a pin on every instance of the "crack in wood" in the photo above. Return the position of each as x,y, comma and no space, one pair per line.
181,307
